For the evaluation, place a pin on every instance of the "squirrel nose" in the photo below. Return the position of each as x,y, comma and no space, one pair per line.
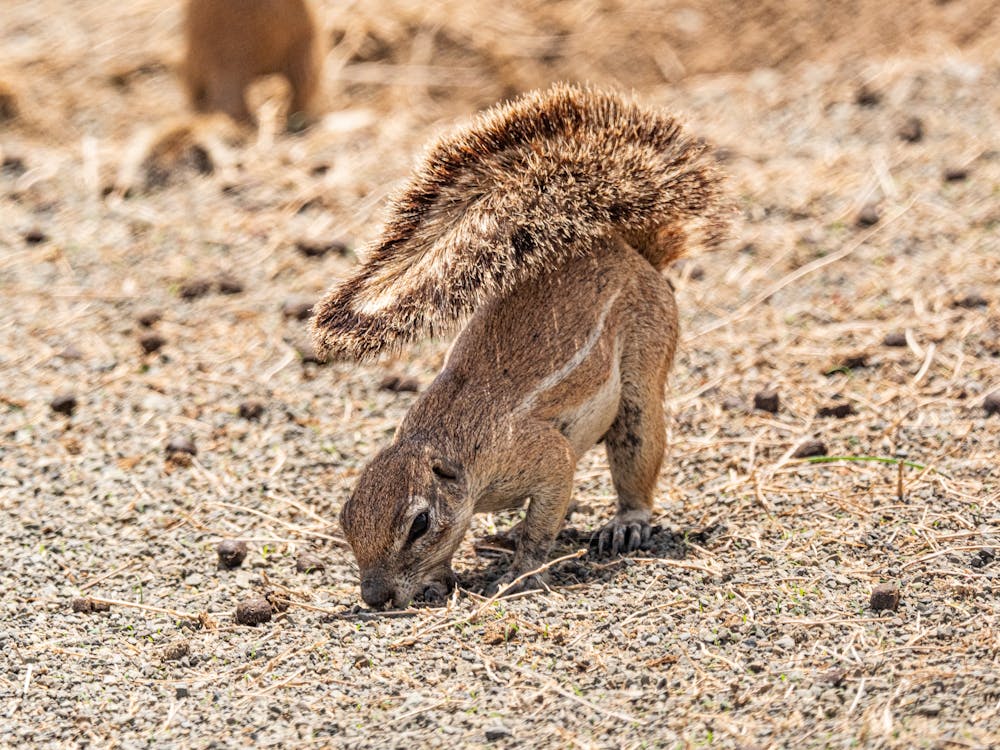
375,592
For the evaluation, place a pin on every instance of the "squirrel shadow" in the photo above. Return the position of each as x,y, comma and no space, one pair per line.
664,544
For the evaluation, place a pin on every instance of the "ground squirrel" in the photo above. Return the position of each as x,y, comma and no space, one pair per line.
232,42
546,223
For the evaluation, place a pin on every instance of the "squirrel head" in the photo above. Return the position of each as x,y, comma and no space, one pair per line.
404,521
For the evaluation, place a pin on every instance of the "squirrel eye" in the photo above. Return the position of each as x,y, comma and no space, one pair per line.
419,527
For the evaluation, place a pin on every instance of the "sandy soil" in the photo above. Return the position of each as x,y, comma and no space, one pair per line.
162,289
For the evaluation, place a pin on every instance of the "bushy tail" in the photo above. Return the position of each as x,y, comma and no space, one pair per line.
519,191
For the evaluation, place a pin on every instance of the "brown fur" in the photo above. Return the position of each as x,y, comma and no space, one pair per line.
232,42
549,220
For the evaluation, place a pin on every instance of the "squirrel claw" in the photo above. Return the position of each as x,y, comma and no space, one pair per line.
622,537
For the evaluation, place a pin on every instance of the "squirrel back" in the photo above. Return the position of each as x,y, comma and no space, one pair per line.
525,187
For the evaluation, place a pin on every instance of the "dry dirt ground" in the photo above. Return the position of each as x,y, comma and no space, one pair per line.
862,279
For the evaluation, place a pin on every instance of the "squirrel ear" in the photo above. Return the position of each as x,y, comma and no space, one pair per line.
445,469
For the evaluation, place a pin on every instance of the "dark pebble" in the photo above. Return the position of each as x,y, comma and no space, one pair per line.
181,444
182,692
834,677
894,338
971,300
838,411
13,165
911,131
399,384
253,611
63,404
297,309
866,96
312,249
35,236
86,605
929,709
497,732
194,288
955,174
767,400
810,448
992,403
149,318
307,562
868,215
229,284
151,342
987,554
176,650
252,410
884,596
231,553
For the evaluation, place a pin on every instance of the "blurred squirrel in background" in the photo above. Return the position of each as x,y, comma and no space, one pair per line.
232,42
546,223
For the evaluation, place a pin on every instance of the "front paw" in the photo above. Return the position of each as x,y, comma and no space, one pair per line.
505,585
623,535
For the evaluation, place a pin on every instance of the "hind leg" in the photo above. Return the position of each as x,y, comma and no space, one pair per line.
226,94
635,445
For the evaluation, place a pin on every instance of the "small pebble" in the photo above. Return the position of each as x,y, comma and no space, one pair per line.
151,342
399,384
176,650
181,444
866,96
767,400
810,448
297,309
13,165
731,403
35,236
232,553
912,130
70,353
194,288
955,174
992,403
229,284
868,215
786,642
86,605
838,411
884,596
894,338
307,562
253,611
312,249
63,404
252,410
931,708
182,692
497,732
970,301
834,677
149,318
